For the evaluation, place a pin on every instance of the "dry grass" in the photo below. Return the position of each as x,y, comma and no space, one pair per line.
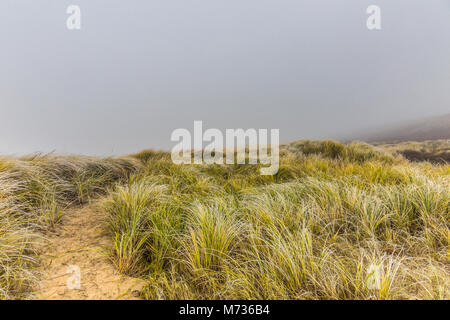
332,217
437,151
317,230
34,192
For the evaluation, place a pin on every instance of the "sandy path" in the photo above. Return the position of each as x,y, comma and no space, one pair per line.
81,241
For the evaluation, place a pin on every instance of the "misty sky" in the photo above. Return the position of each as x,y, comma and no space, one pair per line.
137,69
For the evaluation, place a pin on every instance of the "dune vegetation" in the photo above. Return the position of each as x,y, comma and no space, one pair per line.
435,151
34,193
336,222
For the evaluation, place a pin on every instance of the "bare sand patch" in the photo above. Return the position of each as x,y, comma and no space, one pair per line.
81,240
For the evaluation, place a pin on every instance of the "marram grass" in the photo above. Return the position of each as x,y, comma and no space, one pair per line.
316,230
332,217
34,193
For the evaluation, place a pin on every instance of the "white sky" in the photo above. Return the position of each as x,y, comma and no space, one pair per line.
137,70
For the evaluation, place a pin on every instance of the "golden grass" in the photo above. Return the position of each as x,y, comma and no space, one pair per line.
332,217
316,230
34,192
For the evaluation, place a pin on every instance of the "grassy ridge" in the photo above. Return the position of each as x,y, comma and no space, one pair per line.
314,230
437,151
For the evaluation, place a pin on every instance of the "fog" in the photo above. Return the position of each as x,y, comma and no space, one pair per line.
137,70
